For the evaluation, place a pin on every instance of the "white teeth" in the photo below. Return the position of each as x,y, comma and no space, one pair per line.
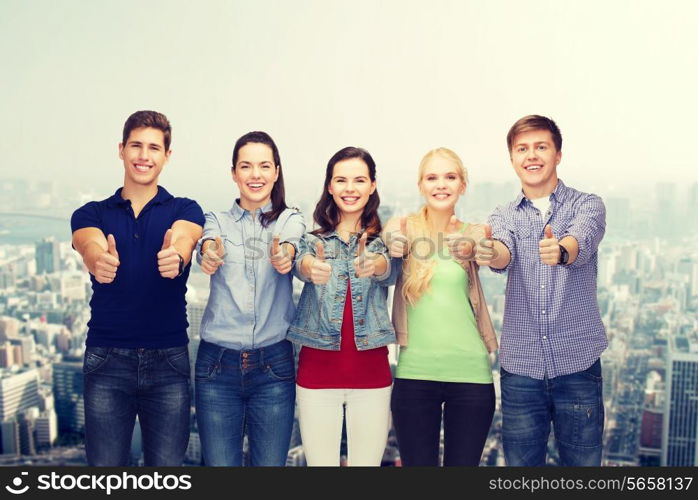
255,186
533,167
142,168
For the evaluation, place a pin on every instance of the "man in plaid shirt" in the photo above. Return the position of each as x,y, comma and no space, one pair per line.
547,241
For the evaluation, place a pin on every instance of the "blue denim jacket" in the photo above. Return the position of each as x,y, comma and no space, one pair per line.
318,319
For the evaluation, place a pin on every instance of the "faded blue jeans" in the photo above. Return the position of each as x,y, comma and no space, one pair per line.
251,390
122,383
573,403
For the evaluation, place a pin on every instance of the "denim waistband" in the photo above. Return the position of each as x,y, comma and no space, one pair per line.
252,355
136,352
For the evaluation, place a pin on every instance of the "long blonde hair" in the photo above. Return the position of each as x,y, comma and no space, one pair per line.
418,268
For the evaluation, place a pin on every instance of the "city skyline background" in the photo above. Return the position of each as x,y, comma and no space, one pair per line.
397,78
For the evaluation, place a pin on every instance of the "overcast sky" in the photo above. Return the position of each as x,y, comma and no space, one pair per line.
395,77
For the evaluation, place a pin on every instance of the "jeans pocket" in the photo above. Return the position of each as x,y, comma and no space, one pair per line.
95,358
593,372
281,368
178,359
588,425
206,367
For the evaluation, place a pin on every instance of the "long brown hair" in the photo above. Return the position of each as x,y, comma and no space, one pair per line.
327,214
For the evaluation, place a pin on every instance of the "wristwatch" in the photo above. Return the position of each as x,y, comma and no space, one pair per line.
564,256
181,265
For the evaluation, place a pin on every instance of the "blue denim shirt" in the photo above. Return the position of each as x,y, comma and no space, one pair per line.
318,320
250,304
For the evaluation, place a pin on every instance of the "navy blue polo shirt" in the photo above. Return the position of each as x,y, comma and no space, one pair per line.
139,308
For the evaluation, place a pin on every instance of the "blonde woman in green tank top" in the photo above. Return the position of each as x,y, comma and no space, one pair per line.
443,327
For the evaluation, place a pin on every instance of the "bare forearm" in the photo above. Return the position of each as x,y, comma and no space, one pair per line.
502,255
185,246
381,266
289,250
306,264
91,251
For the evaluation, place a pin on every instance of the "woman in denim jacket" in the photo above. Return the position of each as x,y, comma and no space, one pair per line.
245,374
342,319
444,370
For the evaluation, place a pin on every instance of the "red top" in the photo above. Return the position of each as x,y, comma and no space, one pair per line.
347,368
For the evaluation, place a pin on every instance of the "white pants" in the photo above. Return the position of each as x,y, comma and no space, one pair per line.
321,412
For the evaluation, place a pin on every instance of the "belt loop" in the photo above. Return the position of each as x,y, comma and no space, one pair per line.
221,351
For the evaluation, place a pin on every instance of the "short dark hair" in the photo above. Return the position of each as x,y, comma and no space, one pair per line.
278,192
151,119
327,214
534,122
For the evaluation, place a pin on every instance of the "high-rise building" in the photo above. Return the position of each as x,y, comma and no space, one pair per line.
18,392
46,426
9,328
48,257
651,436
195,312
9,430
7,358
680,427
666,209
27,428
193,455
68,391
24,347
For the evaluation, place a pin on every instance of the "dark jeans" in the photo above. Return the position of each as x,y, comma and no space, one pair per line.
467,415
253,390
122,383
573,403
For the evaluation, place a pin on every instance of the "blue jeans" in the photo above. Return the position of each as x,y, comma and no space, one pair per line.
122,383
238,390
572,402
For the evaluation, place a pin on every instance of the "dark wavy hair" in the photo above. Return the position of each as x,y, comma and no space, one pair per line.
327,214
278,192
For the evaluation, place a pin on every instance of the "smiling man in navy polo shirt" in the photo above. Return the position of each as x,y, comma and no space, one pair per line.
137,245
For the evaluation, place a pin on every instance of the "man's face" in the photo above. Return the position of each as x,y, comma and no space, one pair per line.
144,155
535,159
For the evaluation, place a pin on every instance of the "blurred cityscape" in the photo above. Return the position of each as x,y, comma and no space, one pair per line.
647,294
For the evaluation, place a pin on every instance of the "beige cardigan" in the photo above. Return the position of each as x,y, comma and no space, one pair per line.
477,301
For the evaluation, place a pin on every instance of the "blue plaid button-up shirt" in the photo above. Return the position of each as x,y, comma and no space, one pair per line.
552,325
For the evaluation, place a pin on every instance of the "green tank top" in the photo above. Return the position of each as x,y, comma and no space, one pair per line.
444,344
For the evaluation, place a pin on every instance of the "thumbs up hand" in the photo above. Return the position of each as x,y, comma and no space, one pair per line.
107,263
168,258
485,248
365,261
213,256
399,242
549,248
320,270
280,259
459,246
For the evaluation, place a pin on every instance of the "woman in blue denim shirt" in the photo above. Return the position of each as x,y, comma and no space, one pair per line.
244,367
342,319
